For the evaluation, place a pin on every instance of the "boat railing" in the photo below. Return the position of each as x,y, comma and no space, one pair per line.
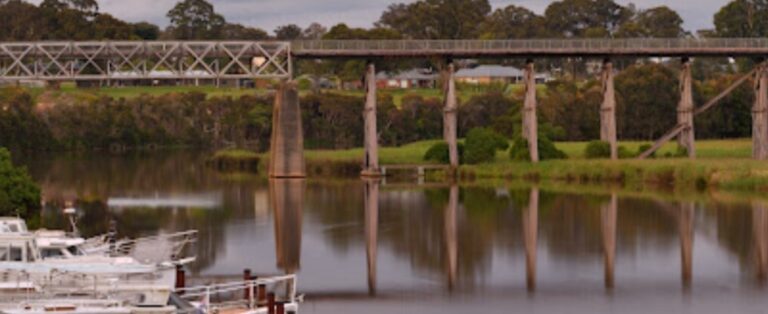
157,248
249,294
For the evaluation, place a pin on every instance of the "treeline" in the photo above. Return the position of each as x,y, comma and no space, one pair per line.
647,98
424,19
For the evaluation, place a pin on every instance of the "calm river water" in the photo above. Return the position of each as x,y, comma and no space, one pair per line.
400,247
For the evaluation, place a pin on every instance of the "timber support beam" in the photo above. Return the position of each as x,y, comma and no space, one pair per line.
371,162
760,114
287,145
608,110
685,108
530,124
450,128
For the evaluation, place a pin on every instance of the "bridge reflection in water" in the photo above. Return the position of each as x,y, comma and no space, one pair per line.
287,200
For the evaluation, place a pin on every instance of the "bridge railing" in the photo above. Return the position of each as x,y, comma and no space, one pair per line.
555,46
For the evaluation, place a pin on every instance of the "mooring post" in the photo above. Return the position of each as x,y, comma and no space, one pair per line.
271,303
530,124
685,109
760,114
180,278
261,299
450,128
371,162
608,221
246,279
608,110
287,151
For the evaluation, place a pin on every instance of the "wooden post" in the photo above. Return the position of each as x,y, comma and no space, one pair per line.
280,307
685,109
450,128
686,243
261,300
530,124
608,221
180,277
371,162
608,110
371,230
247,278
287,151
271,303
760,115
530,237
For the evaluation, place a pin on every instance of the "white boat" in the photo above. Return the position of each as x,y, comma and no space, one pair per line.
242,297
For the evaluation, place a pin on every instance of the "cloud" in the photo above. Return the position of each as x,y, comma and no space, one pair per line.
268,14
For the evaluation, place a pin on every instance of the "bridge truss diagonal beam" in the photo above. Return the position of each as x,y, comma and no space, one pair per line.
139,60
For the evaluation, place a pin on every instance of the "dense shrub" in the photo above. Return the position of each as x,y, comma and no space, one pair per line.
624,153
439,153
481,145
18,193
547,150
643,148
597,149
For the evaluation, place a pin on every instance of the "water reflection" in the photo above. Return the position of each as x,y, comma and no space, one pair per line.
370,239
287,199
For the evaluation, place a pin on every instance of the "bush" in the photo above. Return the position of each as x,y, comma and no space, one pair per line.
643,148
18,193
547,150
481,145
439,153
624,153
598,149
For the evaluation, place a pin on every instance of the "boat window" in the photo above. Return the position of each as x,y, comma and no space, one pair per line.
3,253
74,250
13,228
51,253
16,255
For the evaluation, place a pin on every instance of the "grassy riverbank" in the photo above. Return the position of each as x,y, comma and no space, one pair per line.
723,164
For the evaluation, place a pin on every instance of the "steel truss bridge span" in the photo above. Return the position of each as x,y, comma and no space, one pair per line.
134,60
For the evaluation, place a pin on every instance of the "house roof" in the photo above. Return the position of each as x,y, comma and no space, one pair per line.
412,74
489,71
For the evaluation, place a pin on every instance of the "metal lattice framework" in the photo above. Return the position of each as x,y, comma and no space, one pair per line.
133,60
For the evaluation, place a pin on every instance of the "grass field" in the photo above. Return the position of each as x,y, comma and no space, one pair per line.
724,164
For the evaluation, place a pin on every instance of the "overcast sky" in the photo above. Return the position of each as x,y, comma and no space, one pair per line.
268,14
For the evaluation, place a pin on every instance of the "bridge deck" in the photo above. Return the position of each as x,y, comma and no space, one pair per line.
530,48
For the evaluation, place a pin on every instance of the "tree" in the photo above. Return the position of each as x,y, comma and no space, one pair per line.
288,32
20,20
18,193
437,19
241,32
106,27
647,97
314,31
742,18
585,18
513,22
195,19
146,31
658,22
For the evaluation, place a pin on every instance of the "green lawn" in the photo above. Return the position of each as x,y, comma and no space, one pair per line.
721,163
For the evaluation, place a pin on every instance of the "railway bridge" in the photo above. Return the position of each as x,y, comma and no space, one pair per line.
215,60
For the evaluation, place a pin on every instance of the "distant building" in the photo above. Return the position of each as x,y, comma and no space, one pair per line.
414,78
487,74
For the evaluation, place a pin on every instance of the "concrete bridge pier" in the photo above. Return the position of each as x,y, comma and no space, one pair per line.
685,109
608,110
760,114
286,197
530,124
450,128
371,162
287,152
